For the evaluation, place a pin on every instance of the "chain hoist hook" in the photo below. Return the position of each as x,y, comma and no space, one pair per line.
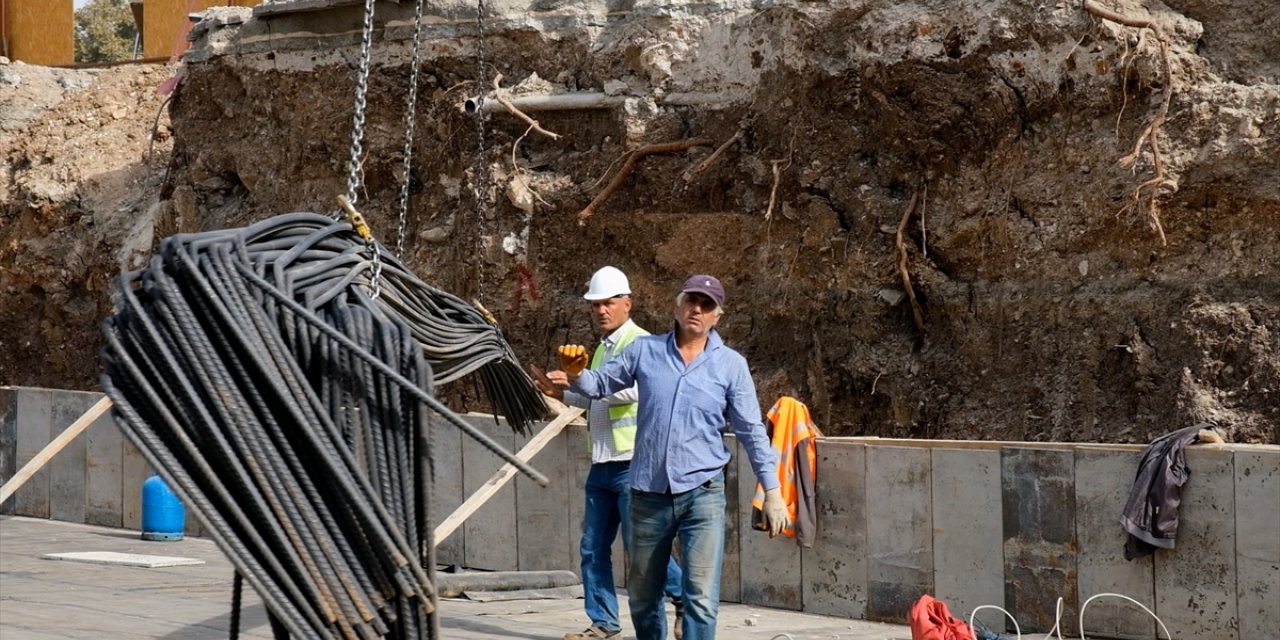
361,228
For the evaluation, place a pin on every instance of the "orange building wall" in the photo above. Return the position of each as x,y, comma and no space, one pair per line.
39,31
165,23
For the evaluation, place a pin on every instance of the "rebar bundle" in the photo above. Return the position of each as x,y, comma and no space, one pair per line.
288,405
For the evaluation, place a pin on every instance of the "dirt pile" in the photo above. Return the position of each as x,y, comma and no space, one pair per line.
1049,307
77,205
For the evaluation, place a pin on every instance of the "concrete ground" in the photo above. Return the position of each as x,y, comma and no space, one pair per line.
45,599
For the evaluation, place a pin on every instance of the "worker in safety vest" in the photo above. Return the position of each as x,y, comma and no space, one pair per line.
611,423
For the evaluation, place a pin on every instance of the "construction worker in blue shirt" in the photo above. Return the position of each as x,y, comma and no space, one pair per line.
611,424
693,384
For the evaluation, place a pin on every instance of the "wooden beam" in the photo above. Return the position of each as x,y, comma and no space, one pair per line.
507,472
50,450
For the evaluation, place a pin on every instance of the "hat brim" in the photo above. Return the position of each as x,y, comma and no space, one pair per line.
710,294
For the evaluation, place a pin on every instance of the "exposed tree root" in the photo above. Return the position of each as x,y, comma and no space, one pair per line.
711,159
1151,133
533,124
779,166
627,167
899,240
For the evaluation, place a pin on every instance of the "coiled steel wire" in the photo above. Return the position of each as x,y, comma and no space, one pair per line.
293,412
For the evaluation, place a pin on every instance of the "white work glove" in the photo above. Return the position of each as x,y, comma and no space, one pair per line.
775,511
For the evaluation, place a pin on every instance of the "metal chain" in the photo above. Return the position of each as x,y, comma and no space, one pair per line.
410,119
479,172
375,279
354,167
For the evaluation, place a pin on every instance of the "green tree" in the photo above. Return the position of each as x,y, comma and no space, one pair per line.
105,31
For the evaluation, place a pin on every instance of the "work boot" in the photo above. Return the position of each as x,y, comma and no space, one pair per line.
594,632
678,627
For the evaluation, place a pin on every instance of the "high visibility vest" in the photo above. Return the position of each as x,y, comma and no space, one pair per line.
622,417
794,441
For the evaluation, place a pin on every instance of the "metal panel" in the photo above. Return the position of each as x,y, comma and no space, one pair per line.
1258,542
8,440
1039,497
1196,581
771,573
544,527
136,470
447,487
899,530
104,475
34,431
67,469
835,568
578,455
968,562
731,574
491,530
1102,481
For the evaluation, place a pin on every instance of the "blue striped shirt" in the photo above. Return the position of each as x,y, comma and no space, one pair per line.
683,411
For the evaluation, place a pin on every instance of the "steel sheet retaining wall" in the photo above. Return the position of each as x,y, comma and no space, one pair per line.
1009,523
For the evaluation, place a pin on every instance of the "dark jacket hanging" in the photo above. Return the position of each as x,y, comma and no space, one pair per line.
1151,512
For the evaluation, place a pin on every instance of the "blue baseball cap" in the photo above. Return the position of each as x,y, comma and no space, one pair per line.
706,285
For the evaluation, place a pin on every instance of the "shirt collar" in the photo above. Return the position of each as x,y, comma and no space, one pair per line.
713,338
614,337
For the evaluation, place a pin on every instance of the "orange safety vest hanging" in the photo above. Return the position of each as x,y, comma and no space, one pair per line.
793,440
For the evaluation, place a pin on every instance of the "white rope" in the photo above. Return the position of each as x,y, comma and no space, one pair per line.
1151,613
1057,618
974,613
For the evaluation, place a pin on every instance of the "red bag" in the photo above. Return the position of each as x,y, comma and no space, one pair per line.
931,620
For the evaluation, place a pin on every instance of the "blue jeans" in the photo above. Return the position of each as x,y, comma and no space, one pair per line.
608,501
696,517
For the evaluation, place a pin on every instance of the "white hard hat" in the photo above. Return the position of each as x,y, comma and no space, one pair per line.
607,283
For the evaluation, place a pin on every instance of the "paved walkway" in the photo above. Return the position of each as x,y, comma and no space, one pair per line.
47,599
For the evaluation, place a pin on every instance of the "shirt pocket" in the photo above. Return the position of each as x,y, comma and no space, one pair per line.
708,401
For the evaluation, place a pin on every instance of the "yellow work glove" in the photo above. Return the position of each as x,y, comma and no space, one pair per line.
775,511
573,359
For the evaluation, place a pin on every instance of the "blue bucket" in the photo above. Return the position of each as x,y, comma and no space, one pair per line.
163,516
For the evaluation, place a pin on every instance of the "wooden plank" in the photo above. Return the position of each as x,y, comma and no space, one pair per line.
104,473
835,569
1038,510
505,474
1103,479
39,31
899,530
34,432
67,467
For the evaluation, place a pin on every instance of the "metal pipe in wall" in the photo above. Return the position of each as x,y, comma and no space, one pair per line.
593,100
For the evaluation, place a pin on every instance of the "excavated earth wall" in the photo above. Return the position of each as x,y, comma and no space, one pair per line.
1050,306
